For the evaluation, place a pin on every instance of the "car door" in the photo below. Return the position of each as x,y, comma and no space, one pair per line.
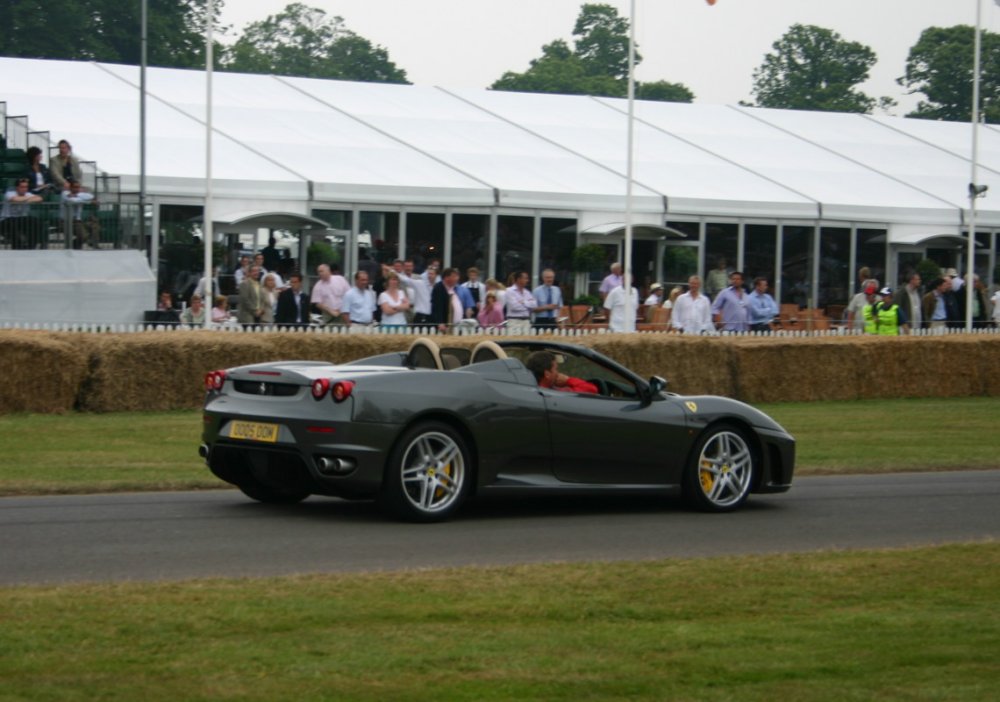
614,441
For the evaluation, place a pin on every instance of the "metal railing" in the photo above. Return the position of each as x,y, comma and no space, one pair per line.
54,225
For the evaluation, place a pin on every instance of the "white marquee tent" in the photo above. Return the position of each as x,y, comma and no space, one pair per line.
288,144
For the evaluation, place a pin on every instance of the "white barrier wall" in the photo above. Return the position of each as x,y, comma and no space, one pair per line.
68,287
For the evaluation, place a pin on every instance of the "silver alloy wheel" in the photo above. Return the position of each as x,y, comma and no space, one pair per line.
433,472
725,469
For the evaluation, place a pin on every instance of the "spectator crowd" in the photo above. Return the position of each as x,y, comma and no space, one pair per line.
28,200
396,295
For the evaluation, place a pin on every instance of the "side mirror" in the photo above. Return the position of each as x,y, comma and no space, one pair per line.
657,385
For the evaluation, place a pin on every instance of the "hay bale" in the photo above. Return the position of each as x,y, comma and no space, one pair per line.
786,369
53,372
161,371
692,365
44,371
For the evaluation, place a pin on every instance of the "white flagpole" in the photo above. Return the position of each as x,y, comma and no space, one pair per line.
973,186
207,233
627,277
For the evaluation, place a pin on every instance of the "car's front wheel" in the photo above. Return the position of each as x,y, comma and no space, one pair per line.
721,471
428,474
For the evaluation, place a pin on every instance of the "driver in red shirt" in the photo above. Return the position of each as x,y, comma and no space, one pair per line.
544,366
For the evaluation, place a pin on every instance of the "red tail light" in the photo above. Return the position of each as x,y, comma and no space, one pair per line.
320,387
215,380
342,389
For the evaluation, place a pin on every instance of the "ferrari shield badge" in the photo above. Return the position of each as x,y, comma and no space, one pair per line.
691,406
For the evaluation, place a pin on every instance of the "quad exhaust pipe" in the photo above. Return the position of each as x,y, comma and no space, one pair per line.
335,466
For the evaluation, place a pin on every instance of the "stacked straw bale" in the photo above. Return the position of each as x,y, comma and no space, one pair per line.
42,372
58,372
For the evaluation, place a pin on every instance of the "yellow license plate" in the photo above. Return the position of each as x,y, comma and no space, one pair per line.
253,431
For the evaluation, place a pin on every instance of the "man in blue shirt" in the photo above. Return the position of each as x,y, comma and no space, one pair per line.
359,301
549,298
732,306
763,308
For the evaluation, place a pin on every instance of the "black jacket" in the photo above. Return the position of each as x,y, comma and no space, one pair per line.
287,312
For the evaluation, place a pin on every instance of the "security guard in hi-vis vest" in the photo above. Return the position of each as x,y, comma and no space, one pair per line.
885,317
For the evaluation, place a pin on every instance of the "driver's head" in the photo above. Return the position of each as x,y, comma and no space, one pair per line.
541,362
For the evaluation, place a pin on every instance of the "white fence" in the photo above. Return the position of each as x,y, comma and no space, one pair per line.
423,330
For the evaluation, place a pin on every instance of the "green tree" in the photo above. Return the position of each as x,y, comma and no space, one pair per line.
597,63
558,70
104,30
940,66
813,68
664,91
304,41
602,41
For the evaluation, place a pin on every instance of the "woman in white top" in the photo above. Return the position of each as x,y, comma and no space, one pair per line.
270,291
393,302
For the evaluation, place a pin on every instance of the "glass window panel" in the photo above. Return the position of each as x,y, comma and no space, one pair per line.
379,234
182,254
983,240
557,244
796,265
721,242
871,252
680,257
424,238
514,235
330,246
470,243
906,265
760,252
834,266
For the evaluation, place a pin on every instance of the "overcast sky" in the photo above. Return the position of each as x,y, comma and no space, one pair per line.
712,50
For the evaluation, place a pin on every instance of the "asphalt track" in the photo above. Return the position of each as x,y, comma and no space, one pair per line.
182,535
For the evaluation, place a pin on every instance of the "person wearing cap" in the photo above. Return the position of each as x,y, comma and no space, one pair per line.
856,308
655,293
885,316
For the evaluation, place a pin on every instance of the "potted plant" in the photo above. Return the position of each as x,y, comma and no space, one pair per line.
582,307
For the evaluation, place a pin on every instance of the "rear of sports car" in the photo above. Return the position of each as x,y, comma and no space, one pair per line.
283,431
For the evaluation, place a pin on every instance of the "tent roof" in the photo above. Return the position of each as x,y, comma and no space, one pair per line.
285,144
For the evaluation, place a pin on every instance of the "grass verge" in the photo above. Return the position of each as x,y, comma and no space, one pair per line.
916,624
76,453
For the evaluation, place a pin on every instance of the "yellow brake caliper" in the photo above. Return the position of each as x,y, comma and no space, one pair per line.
706,477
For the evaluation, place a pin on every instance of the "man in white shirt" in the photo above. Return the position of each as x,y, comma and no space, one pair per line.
692,311
418,289
619,306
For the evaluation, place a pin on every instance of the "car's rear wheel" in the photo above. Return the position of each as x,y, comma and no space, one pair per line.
256,490
722,469
428,474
